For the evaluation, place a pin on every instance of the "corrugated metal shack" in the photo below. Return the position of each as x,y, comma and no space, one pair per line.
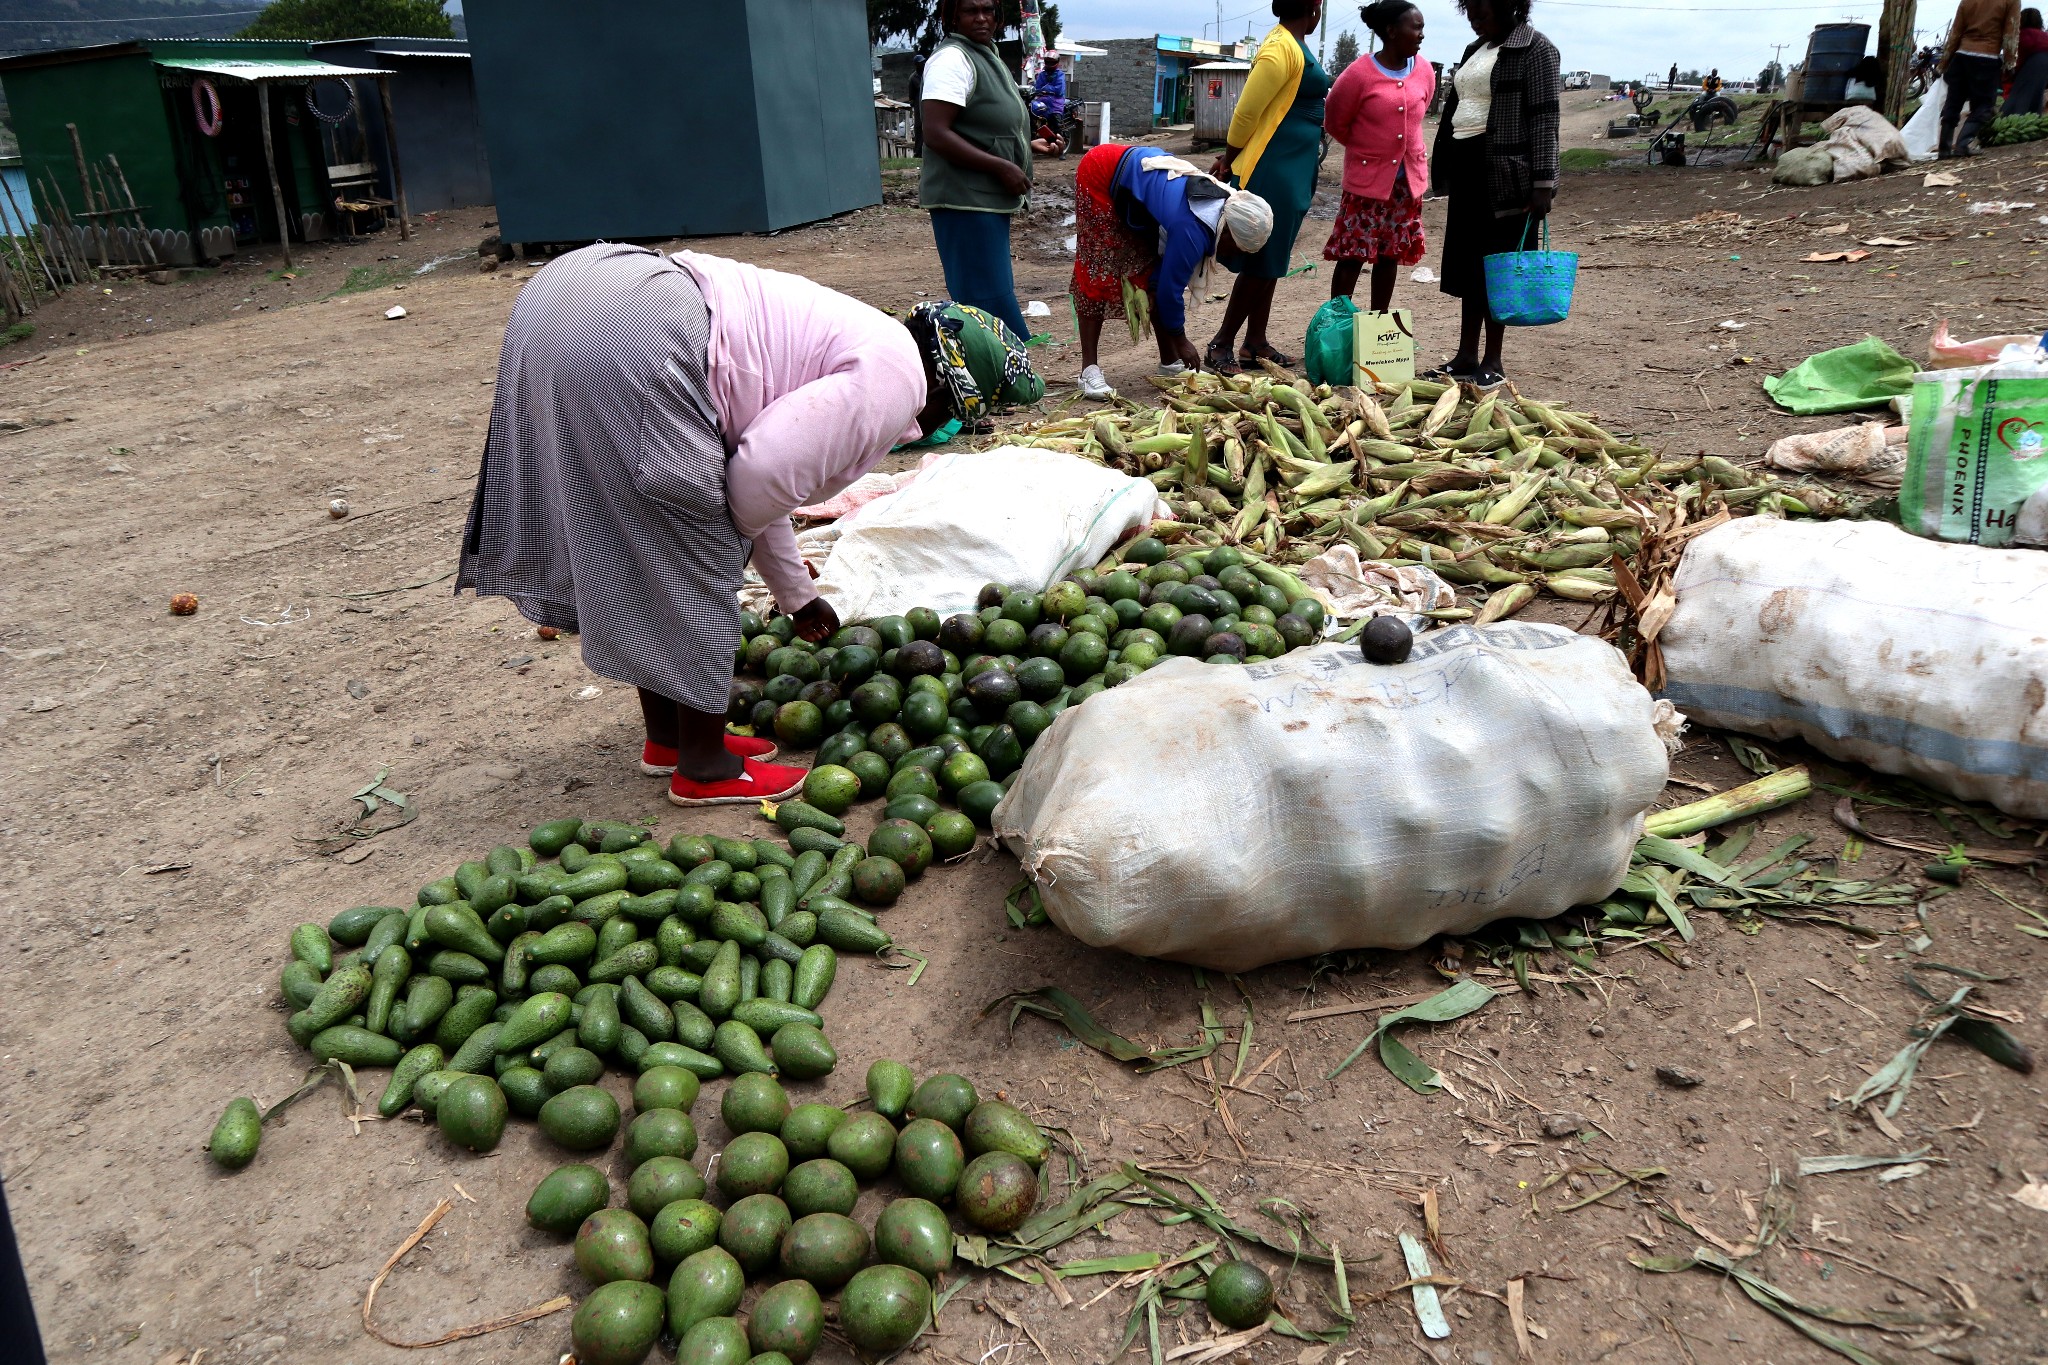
440,137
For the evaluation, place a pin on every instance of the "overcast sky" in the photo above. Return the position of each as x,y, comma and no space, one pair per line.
1626,40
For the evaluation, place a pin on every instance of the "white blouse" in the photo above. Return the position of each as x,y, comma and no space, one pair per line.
1474,84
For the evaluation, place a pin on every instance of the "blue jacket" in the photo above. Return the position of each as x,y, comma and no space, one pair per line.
1153,202
1050,90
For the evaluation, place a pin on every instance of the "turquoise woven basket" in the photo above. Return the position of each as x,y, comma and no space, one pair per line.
1531,288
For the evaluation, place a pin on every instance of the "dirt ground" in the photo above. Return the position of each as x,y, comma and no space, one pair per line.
171,776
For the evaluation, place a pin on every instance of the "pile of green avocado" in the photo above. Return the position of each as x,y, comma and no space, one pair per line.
913,708
512,984
790,1177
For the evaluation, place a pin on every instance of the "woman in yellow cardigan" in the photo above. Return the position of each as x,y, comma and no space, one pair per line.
1275,140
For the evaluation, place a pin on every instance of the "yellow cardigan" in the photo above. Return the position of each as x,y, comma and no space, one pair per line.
1269,91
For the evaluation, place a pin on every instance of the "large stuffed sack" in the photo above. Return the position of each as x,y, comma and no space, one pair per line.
1906,655
1235,816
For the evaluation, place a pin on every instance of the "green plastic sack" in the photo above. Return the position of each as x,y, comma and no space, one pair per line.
1866,375
1978,450
1329,346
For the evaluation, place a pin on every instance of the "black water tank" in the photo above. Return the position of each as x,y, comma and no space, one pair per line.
1831,54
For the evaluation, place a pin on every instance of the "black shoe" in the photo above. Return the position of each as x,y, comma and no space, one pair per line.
1484,378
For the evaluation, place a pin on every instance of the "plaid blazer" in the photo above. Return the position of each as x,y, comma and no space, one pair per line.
1522,126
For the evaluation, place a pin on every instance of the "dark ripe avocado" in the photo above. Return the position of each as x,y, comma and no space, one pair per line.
991,595
997,1191
915,1233
582,1118
566,1196
660,1181
1239,1295
681,1228
1295,631
820,1186
824,1248
1385,640
1047,640
617,1324
787,1320
820,694
741,700
763,719
918,658
902,842
1188,635
993,691
809,1128
883,1307
707,1284
945,1097
1196,601
1225,642
961,633
929,1159
879,881
864,1144
752,1231
612,1245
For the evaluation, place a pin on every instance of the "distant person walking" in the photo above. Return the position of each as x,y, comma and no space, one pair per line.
1672,79
976,171
1375,111
1496,157
1273,146
2030,79
1983,44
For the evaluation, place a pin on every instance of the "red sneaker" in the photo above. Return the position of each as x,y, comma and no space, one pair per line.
658,760
757,782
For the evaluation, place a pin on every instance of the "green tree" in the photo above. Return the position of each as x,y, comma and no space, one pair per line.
319,20
1346,53
918,20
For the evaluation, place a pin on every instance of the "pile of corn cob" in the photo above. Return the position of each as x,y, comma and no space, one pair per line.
1495,491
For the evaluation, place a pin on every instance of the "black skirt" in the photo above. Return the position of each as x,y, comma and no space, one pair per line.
1471,231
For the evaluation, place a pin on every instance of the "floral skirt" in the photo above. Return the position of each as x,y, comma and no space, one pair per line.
1106,252
1378,229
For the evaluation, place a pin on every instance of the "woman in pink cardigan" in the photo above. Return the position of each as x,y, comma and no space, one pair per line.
1375,110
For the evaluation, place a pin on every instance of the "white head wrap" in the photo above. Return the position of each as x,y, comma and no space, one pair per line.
1249,218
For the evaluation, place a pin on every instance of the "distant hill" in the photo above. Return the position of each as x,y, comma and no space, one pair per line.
42,25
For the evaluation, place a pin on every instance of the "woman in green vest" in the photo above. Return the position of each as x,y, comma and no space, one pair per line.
977,160
1273,145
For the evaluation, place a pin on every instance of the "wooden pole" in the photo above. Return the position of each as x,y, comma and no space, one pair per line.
391,150
134,210
85,188
1895,41
284,232
25,243
81,259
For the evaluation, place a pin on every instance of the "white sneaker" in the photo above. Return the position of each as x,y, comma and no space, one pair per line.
1173,369
1094,384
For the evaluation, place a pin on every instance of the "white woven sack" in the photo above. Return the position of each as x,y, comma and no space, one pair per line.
1235,816
1907,655
1013,515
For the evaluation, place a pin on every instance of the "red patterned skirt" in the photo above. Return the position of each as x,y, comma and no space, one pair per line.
1106,252
1378,229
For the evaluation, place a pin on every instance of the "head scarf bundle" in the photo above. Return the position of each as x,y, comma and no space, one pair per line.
938,336
1249,218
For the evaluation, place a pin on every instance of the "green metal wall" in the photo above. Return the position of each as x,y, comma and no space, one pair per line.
118,107
814,106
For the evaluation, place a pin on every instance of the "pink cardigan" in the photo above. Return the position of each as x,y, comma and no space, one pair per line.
1379,122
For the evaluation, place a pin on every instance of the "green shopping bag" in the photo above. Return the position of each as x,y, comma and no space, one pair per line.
1328,348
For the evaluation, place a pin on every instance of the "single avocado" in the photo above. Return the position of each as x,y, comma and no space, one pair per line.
526,1090
754,1103
752,1163
864,1144
472,1113
715,1341
1385,640
788,1319
929,1159
568,1067
889,1088
915,1233
612,1245
820,1186
236,1135
583,1118
660,1132
997,1191
617,1324
752,1231
809,1128
660,1181
1239,1294
683,1228
945,1097
993,1126
803,1053
824,1248
706,1284
883,1307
